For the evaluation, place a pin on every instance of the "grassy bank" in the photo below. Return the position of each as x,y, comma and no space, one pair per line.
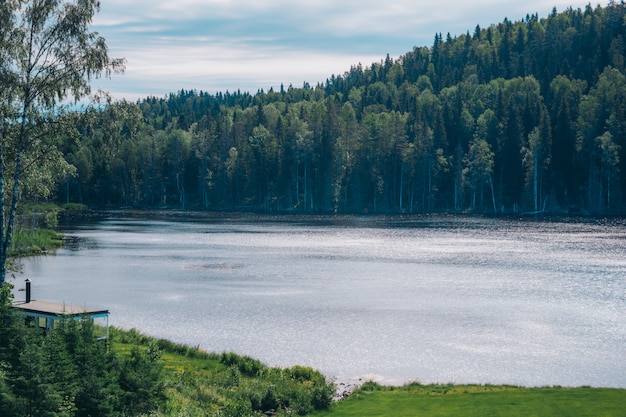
35,233
480,401
198,383
34,241
209,384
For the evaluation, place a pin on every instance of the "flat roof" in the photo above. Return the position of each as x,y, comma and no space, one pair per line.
57,309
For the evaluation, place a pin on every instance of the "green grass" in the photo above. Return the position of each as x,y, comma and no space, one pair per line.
199,383
35,232
480,401
203,384
34,241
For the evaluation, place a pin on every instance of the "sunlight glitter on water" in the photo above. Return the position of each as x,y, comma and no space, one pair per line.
442,300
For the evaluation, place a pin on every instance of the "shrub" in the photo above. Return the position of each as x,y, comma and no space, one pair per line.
370,386
247,366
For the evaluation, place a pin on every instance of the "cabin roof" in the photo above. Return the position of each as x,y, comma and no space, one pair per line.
47,308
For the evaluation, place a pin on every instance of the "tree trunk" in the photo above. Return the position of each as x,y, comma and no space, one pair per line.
493,195
608,190
535,184
2,221
7,234
401,186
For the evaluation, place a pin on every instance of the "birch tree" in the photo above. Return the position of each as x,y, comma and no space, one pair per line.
536,158
609,151
479,169
48,57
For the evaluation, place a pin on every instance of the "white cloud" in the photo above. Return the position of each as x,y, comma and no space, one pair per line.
216,45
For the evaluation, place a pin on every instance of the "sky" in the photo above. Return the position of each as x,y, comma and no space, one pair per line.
248,45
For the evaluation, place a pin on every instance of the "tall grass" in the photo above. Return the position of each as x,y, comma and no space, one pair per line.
226,384
35,231
34,241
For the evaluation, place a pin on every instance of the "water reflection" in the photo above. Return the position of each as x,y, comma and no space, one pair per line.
439,299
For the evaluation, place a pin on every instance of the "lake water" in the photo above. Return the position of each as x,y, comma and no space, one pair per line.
433,299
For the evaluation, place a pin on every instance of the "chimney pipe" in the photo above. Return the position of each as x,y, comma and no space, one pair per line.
27,290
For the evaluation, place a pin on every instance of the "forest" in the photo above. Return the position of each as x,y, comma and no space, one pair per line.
520,117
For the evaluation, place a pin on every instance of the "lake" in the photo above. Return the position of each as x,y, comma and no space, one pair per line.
394,299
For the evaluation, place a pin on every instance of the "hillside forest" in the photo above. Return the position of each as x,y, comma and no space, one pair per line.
523,116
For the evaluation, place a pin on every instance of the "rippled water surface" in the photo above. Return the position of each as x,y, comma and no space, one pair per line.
433,299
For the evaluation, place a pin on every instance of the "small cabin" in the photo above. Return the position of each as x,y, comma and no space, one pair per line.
46,315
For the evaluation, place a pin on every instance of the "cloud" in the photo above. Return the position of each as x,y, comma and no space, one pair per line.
216,45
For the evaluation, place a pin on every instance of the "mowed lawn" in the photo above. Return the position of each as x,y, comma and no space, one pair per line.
480,401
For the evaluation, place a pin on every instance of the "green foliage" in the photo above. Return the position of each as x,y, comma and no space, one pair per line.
246,365
73,207
34,241
47,56
207,384
69,372
370,386
510,118
34,230
141,381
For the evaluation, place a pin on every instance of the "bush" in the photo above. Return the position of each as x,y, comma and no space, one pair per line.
370,386
247,366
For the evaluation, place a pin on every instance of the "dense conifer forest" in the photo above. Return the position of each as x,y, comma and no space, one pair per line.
520,117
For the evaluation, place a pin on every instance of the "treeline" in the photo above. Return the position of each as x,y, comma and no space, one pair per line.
524,116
